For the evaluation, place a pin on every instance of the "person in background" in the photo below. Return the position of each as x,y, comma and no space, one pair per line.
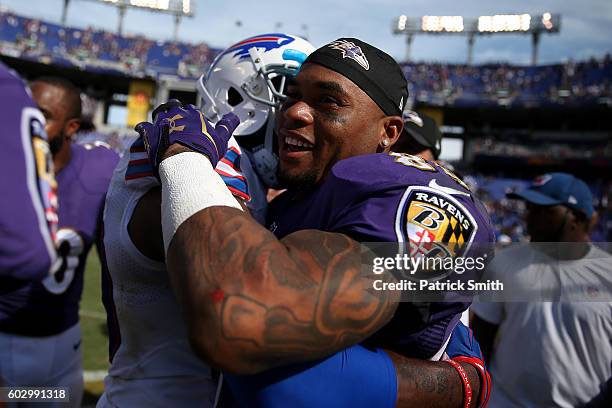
40,335
568,360
28,209
420,137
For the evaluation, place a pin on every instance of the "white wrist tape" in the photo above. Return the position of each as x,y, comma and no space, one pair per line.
189,184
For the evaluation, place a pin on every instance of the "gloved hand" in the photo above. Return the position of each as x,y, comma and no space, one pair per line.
174,122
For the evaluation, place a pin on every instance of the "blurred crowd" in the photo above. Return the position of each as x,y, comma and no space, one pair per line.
95,49
572,83
493,146
508,216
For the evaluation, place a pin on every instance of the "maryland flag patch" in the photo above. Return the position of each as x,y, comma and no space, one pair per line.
434,224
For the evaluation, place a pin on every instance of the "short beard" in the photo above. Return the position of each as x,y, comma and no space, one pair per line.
56,144
302,181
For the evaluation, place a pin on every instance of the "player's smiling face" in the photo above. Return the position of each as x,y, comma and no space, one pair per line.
326,118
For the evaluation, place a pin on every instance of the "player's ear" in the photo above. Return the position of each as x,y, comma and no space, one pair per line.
71,127
580,224
592,223
392,129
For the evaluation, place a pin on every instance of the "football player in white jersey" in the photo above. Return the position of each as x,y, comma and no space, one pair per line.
152,363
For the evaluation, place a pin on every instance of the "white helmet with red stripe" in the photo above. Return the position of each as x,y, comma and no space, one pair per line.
248,79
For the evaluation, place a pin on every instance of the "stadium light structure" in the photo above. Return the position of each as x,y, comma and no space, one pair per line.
177,8
534,25
65,11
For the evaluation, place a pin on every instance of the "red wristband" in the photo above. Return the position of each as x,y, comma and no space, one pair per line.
467,387
485,377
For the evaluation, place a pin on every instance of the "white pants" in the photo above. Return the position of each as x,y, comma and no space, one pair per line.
53,361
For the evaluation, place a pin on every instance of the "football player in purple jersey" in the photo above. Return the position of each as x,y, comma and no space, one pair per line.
28,209
254,300
39,321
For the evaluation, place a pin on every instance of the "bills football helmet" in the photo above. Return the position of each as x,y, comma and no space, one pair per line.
249,79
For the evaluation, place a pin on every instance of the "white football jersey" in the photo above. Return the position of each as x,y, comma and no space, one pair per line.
152,363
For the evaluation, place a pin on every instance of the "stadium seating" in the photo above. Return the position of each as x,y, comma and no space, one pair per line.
570,84
99,50
508,216
433,84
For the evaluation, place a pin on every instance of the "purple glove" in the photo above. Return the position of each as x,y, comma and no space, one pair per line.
185,125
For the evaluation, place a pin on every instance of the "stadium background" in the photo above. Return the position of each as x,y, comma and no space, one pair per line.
504,123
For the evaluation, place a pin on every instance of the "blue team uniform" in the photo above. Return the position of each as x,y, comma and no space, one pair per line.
355,377
376,198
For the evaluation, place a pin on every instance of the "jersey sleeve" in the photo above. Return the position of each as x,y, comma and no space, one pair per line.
140,172
463,347
355,377
28,209
420,210
100,161
370,218
230,171
399,200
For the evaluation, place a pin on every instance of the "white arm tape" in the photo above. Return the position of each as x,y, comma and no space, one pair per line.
189,184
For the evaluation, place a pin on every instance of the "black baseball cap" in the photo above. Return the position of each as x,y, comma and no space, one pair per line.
368,67
424,130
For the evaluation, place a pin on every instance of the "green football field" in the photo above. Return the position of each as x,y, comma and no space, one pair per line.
93,326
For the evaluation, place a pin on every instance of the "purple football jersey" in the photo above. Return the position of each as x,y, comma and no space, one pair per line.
51,306
395,198
28,214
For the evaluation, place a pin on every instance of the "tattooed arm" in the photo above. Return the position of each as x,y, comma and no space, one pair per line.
285,309
419,382
252,302
432,383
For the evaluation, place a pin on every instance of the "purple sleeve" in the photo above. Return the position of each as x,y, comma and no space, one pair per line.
28,212
429,214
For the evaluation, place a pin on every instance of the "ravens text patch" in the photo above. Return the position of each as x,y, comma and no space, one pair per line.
433,223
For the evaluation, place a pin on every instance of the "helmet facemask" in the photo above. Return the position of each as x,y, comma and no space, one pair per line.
252,86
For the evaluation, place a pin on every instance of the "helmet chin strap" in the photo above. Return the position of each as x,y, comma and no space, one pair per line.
266,162
269,140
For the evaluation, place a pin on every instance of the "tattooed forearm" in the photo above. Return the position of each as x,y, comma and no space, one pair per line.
253,302
433,384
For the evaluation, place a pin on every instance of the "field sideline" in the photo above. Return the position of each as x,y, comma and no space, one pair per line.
93,327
